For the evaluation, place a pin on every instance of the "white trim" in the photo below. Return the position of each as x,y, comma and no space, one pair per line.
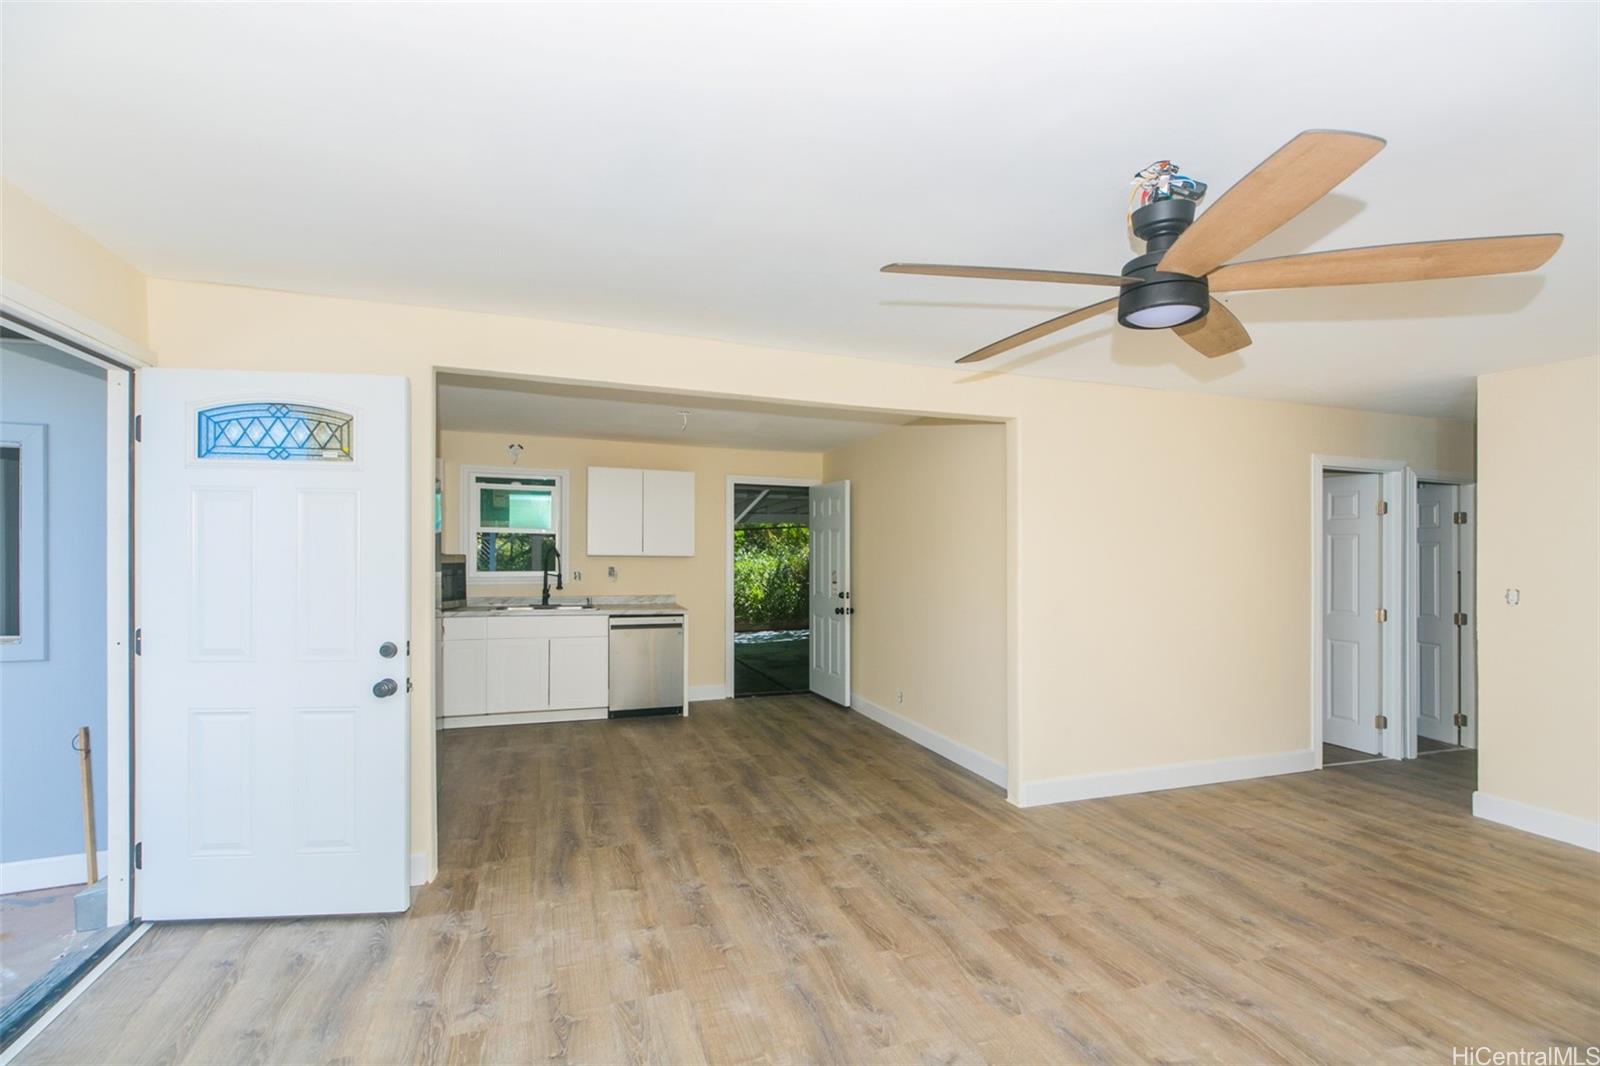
467,528
54,317
32,441
119,669
1395,666
419,869
697,693
52,871
1542,821
471,721
727,545
991,770
1173,775
79,987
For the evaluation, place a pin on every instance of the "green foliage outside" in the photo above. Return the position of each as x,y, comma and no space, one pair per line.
770,568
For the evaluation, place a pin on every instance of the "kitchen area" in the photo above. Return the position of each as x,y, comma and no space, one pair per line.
557,657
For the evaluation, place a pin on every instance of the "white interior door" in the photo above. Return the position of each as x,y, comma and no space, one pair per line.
1438,600
830,591
1351,595
273,536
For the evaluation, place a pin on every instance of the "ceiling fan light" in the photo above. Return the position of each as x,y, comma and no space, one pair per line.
1163,316
1163,301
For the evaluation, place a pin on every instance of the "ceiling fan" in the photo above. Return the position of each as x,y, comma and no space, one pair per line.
1185,260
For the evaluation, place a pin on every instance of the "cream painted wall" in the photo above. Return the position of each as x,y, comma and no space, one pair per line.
1539,532
928,567
1182,611
1157,575
49,256
699,583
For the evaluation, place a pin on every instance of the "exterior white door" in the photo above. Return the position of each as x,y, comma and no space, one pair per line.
1352,683
1438,600
830,591
273,531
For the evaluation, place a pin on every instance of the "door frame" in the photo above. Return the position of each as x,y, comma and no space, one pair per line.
733,481
1393,660
83,339
1468,485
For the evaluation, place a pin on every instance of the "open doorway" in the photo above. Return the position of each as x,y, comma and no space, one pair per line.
771,574
64,668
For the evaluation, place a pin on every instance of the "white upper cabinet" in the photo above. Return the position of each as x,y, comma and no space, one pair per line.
616,511
640,512
668,512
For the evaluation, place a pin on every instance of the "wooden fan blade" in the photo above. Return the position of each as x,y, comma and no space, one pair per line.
1422,261
1065,277
1218,333
1042,329
1285,184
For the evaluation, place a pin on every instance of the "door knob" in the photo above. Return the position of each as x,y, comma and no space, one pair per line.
387,649
385,688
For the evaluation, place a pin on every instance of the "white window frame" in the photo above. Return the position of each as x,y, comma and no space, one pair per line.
28,643
467,517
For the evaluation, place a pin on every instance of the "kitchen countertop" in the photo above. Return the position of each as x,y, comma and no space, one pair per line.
485,606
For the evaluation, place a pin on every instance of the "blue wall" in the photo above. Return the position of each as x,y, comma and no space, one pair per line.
42,703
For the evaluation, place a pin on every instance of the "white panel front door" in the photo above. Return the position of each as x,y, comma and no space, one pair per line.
1438,600
273,531
830,591
1351,592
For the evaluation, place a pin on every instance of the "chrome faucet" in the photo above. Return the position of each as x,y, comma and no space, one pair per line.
549,551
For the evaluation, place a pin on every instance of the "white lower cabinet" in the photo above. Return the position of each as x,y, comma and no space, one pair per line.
578,671
463,663
531,668
518,675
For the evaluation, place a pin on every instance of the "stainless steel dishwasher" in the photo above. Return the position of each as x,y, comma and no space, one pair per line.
646,664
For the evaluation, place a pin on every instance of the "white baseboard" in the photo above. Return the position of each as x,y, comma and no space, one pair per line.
53,871
1158,778
989,769
1542,821
474,721
419,869
707,692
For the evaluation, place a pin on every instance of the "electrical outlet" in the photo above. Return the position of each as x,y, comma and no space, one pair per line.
611,572
899,696
1513,596
577,575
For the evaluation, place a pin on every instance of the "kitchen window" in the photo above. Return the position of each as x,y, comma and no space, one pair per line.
511,520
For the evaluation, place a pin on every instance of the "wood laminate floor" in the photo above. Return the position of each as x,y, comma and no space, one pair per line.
780,881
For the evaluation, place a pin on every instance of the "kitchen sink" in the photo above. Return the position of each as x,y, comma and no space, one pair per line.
519,607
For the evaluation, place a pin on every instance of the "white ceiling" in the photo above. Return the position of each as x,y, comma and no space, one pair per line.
503,405
741,171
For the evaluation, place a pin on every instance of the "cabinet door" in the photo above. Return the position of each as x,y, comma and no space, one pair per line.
578,672
462,664
615,501
518,675
668,512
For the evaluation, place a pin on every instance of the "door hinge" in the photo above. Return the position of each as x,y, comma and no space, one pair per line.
1381,721
1461,618
138,641
1459,518
138,427
138,855
1383,507
1383,614
408,684
408,649
1460,719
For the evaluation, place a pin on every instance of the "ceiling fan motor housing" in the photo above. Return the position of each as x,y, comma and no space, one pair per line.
1159,225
